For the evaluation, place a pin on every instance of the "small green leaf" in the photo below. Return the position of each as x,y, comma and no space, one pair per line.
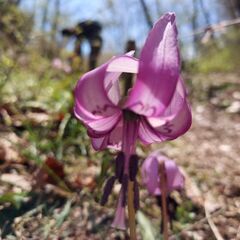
14,198
148,231
64,213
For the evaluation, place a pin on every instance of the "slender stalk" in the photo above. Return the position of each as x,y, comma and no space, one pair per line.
163,187
131,212
130,127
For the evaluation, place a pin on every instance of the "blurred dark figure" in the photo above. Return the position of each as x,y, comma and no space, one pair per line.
90,31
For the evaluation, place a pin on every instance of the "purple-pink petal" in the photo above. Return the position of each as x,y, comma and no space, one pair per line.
112,139
119,219
91,100
172,123
168,130
97,96
104,125
158,95
151,178
116,66
125,63
159,70
97,92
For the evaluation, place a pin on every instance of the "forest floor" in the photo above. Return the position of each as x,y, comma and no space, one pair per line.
59,200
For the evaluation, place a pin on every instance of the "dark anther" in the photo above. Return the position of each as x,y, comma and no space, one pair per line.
125,188
136,195
168,127
133,167
107,190
129,115
119,168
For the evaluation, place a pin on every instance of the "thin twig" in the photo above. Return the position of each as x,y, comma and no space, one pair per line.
191,226
216,27
212,225
131,211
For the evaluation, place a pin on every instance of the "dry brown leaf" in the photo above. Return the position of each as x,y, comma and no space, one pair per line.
42,176
9,142
38,118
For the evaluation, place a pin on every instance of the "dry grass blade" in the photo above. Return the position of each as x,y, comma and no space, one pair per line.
212,225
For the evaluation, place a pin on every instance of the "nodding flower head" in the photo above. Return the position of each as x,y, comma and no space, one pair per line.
158,96
151,177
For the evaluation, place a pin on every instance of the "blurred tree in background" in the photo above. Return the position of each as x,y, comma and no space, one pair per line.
216,46
231,8
44,20
15,25
15,32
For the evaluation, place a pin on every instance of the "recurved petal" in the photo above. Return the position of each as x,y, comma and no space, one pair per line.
175,120
97,93
148,134
106,124
91,99
112,139
125,63
159,69
162,130
118,65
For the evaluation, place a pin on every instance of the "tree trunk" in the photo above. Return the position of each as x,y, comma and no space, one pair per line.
205,13
55,21
194,23
147,13
44,15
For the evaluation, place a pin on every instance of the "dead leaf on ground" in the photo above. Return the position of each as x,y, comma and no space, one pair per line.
9,143
17,180
43,175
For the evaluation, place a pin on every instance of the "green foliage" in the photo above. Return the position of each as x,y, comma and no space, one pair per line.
63,214
185,212
216,61
15,25
220,54
6,68
148,231
14,198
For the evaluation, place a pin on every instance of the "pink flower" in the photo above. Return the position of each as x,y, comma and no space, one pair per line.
151,178
158,97
156,108
57,63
